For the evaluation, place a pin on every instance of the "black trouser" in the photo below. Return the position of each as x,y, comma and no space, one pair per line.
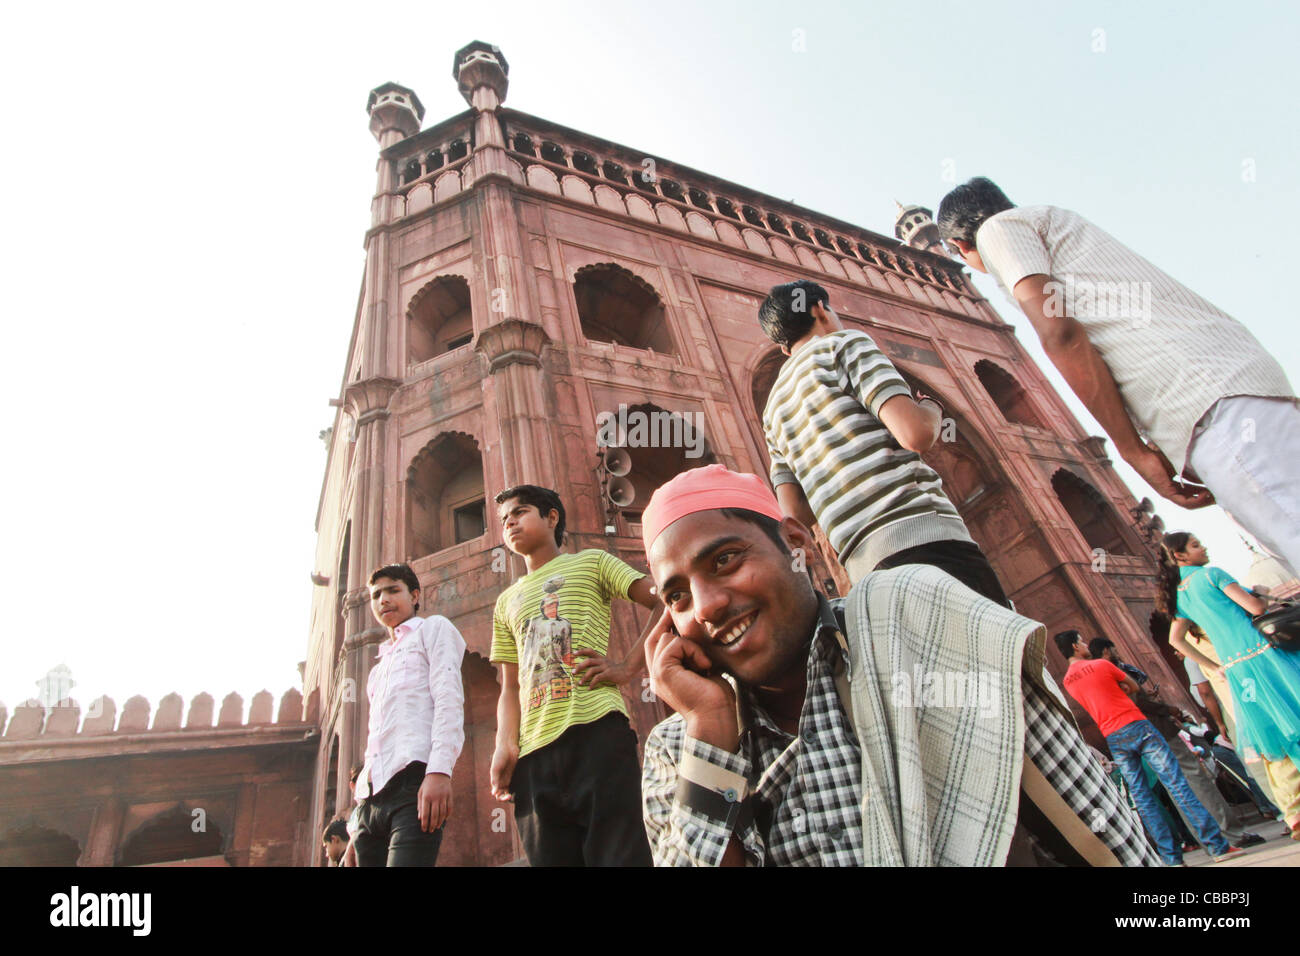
578,799
388,824
961,559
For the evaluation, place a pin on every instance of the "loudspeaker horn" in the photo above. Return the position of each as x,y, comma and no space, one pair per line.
620,492
618,462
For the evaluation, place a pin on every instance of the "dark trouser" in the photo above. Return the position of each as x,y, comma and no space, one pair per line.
578,799
388,825
961,559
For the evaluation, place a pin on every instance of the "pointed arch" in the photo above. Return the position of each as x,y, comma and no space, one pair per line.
1091,513
615,305
34,845
660,444
445,501
1008,394
170,837
439,319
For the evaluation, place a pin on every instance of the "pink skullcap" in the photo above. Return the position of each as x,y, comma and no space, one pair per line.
704,489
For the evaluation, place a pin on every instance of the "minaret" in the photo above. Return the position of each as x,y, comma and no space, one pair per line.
512,338
915,227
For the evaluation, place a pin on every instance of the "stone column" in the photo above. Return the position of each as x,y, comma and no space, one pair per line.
513,349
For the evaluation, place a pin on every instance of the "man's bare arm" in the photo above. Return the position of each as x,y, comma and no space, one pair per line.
594,669
794,503
506,753
914,425
1066,343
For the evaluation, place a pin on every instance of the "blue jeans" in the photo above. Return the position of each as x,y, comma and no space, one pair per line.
1128,746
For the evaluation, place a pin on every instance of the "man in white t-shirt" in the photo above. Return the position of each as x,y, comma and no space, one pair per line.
1181,388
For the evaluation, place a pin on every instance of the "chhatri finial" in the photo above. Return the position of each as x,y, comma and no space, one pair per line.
481,73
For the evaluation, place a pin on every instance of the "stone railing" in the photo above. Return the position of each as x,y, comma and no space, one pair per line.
657,192
32,721
434,165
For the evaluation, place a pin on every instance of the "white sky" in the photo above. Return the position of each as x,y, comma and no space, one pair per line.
185,194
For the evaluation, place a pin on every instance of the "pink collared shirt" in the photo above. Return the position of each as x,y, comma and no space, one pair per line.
417,703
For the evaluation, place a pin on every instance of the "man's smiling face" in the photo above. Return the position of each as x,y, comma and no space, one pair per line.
732,591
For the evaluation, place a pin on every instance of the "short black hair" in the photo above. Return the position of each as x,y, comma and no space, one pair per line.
1065,642
398,572
786,313
336,828
771,527
1099,644
543,499
964,210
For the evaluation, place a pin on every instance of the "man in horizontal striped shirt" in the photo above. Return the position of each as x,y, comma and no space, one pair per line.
845,437
1180,387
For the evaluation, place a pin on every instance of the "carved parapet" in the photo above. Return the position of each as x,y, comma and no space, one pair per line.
262,709
65,717
4,715
311,712
232,711
32,721
512,341
200,712
100,717
27,721
290,707
135,716
168,714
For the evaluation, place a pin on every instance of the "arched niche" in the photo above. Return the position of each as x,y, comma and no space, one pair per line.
439,319
170,837
660,444
445,501
35,845
1008,394
1091,513
614,305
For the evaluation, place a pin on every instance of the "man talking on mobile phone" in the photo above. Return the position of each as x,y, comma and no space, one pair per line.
810,733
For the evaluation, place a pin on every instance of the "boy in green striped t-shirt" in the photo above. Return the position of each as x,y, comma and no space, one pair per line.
845,436
564,752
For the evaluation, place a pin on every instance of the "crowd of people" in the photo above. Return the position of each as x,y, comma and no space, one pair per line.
913,722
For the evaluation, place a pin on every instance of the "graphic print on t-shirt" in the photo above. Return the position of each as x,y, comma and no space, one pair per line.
540,622
546,665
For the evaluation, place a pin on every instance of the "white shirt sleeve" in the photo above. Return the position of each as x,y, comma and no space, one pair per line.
1012,249
446,649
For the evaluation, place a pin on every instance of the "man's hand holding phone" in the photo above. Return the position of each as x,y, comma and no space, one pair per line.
680,674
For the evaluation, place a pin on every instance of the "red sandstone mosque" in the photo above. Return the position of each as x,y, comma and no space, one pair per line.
521,280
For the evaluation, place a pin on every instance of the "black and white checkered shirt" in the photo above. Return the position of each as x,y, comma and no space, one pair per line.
807,789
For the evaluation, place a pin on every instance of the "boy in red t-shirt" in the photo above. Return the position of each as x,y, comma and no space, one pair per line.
1103,690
